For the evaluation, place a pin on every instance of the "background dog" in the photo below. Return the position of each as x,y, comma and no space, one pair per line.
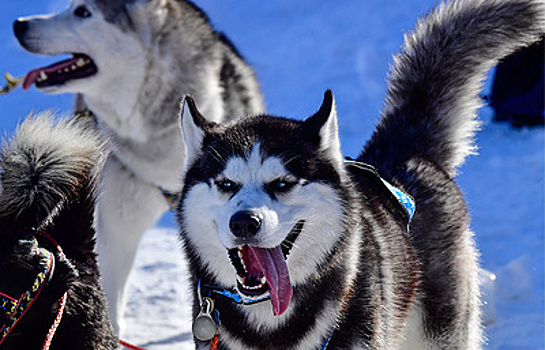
132,62
47,196
300,249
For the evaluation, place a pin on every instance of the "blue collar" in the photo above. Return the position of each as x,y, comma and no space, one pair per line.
234,296
243,300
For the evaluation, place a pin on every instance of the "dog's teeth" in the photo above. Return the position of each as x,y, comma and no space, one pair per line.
74,67
241,259
80,62
263,280
241,280
42,77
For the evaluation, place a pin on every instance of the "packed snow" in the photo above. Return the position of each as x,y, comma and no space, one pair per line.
299,49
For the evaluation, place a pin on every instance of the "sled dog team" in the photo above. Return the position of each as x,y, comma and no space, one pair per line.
290,244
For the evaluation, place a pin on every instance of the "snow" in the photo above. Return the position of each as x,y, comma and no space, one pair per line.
299,49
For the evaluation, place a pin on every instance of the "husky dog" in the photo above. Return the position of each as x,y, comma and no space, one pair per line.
293,247
48,268
132,61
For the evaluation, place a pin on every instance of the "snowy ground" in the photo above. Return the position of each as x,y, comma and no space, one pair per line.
299,49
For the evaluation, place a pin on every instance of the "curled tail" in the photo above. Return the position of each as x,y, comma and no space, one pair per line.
432,100
48,169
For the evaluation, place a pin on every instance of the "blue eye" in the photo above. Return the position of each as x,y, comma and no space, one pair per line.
82,12
226,185
280,185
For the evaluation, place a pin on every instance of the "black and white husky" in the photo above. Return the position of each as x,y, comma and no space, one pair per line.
132,61
51,294
293,247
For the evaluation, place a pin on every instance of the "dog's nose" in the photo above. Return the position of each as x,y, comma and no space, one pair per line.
245,223
20,28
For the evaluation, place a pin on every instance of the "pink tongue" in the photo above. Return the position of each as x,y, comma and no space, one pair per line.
271,262
34,74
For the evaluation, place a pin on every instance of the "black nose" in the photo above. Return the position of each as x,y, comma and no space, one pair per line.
245,223
20,28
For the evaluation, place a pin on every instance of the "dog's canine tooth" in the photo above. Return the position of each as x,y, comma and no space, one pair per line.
241,280
239,251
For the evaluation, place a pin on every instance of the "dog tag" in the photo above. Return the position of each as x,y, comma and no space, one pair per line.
204,325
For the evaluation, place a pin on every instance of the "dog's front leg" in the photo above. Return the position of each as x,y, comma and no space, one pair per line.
126,208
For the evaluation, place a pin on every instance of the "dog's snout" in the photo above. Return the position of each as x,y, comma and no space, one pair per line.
20,28
245,223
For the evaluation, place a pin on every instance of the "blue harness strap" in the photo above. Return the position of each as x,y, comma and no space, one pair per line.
402,200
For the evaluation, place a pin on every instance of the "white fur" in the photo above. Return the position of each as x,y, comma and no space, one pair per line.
208,212
330,142
192,135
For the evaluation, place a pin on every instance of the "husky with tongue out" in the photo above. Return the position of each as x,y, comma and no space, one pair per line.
291,246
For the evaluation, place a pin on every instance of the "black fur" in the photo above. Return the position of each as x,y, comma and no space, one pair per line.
49,182
420,283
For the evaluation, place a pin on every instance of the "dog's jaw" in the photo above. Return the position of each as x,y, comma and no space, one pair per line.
262,271
80,66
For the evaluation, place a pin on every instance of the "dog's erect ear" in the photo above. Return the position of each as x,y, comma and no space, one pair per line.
194,127
323,129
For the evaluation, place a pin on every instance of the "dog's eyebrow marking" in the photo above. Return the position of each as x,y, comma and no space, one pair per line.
255,168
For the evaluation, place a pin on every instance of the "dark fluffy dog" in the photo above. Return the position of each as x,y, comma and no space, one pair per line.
47,196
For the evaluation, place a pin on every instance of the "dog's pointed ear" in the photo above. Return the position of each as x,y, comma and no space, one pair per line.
322,128
194,127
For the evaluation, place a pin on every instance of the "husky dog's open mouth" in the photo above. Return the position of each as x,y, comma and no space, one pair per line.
264,270
78,67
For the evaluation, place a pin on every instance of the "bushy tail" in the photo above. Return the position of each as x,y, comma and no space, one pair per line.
430,109
48,169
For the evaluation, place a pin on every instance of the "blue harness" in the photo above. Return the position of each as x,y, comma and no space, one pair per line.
402,200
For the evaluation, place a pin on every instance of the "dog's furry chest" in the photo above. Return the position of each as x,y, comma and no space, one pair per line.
157,161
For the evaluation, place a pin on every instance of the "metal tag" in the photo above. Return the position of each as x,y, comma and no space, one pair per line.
204,325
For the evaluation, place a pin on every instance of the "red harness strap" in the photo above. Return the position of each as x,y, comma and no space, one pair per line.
130,346
214,342
16,308
55,325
